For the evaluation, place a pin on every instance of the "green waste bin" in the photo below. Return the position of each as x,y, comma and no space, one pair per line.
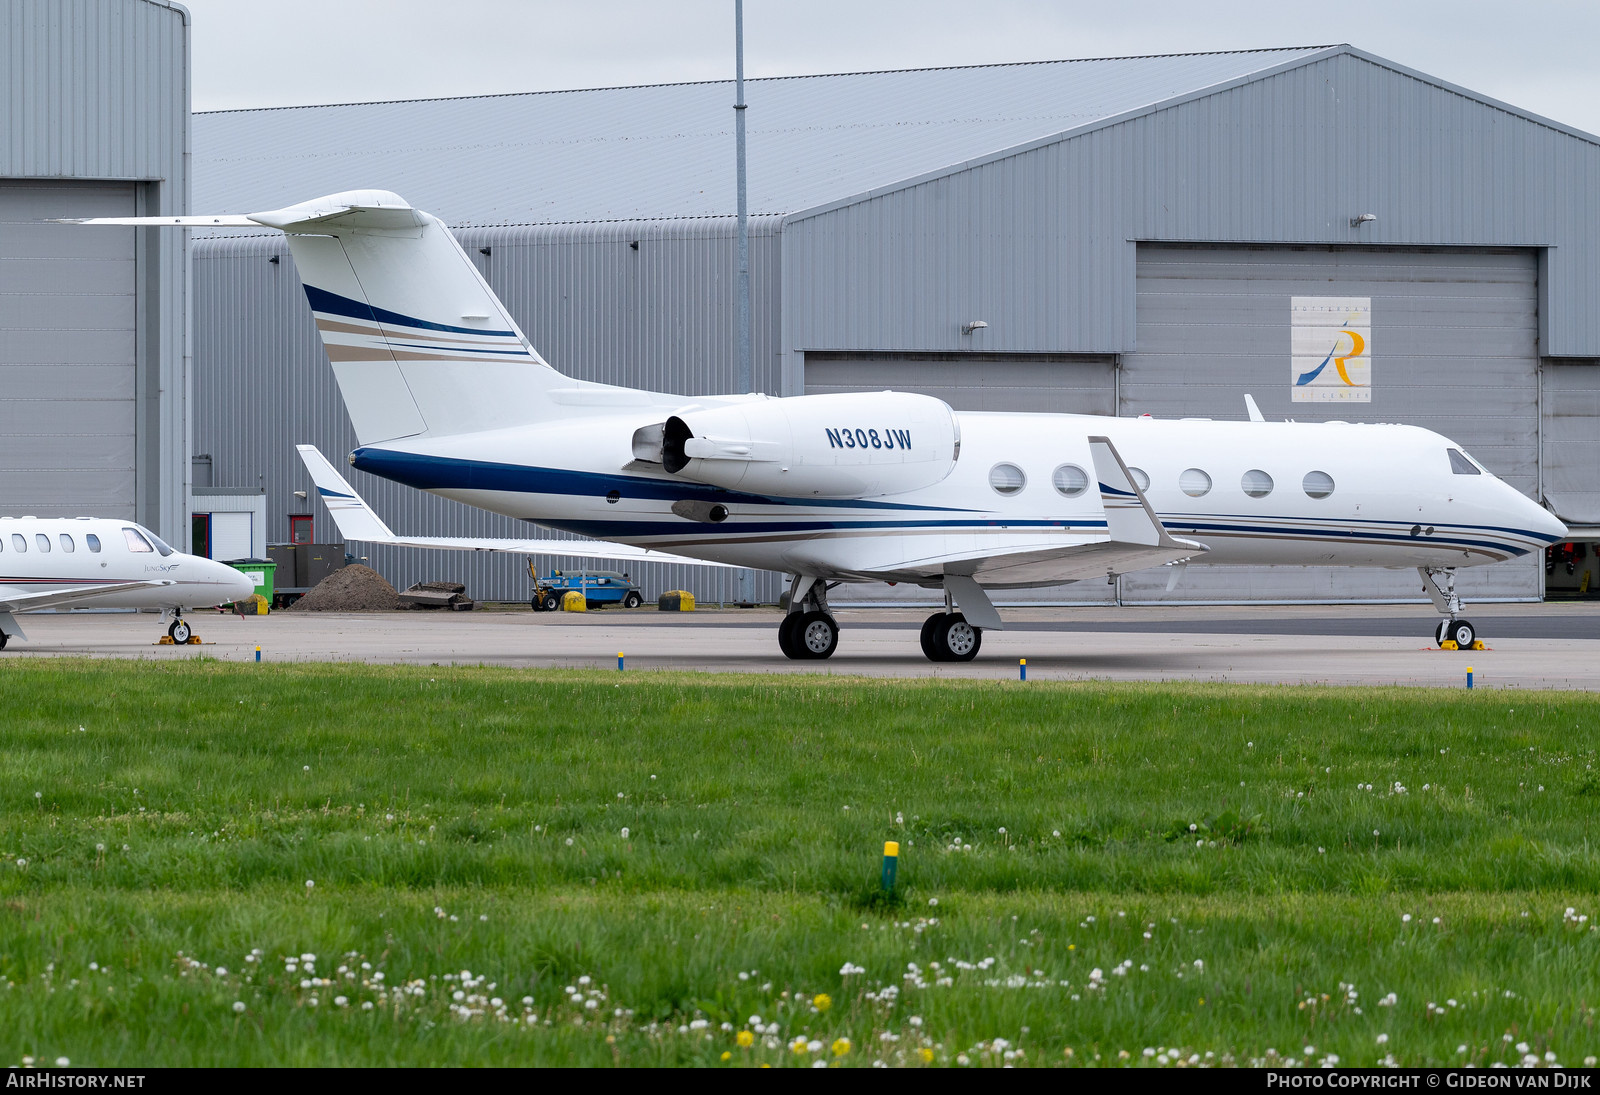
261,573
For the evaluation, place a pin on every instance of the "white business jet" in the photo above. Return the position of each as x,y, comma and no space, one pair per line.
89,562
447,395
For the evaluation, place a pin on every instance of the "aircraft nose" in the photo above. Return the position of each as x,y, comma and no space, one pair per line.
238,584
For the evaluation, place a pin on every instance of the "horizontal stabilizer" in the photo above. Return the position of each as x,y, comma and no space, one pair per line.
356,521
371,209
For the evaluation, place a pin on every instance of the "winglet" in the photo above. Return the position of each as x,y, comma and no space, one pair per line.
1129,518
354,517
1251,409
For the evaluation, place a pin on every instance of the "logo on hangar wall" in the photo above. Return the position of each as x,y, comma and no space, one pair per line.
1331,348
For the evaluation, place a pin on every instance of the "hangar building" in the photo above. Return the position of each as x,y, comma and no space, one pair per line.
93,321
1142,235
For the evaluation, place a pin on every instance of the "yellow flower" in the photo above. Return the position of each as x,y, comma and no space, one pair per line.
822,1001
841,1046
798,1046
744,1038
926,1054
727,1055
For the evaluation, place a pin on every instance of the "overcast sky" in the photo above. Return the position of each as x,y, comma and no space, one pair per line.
1538,54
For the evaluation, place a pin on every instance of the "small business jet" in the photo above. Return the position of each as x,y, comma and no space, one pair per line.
89,562
447,395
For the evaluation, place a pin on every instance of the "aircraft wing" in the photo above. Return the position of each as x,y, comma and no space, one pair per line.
59,598
1134,539
356,521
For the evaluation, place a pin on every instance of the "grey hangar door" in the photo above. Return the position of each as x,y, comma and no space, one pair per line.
1452,346
67,351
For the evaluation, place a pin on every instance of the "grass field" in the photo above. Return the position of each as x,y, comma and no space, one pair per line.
317,864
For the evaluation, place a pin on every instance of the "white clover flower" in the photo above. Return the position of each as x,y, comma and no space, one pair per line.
624,832
238,1005
62,1062
569,842
310,883
341,1001
1382,1038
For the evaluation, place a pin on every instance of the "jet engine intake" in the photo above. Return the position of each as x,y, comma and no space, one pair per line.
823,446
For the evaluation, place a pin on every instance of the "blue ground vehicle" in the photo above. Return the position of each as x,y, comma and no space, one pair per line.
599,587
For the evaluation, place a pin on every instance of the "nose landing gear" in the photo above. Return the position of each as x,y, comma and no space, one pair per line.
179,633
1439,583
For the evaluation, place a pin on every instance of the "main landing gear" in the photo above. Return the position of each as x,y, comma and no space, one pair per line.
1439,583
948,637
809,631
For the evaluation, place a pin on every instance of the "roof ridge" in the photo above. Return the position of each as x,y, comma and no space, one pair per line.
771,79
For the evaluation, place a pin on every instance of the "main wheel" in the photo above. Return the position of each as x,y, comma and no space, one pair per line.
789,637
632,600
955,640
929,625
550,602
818,635
1463,633
3,639
180,631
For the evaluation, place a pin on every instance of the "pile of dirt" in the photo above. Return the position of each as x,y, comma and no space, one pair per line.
354,588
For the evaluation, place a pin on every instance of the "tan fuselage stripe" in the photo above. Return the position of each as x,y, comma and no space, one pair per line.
332,326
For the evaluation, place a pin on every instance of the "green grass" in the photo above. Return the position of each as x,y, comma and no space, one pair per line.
162,821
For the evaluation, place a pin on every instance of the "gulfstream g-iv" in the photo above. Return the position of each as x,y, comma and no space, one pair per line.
87,562
447,395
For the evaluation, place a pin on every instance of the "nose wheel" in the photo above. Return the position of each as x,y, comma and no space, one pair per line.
180,631
1461,631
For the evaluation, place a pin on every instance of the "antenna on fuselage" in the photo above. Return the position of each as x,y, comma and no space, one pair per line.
1251,409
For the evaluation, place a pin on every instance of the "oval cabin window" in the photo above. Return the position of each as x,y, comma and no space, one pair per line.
1317,484
1140,478
1195,483
1007,479
1256,483
1070,480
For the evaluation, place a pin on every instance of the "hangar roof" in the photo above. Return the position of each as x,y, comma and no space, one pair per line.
667,150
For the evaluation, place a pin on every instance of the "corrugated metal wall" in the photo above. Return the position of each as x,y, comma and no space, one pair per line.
660,316
1041,243
99,89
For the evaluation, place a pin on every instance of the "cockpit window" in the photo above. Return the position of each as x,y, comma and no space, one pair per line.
1461,465
161,545
136,542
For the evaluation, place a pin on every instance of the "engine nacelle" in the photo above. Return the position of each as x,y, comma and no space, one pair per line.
818,446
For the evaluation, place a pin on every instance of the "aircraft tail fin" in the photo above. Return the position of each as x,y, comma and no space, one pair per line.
418,341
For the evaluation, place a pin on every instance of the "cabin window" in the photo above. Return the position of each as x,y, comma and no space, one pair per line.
1317,484
43,540
19,541
135,541
1195,483
1069,480
1256,483
1140,478
93,541
66,542
1007,479
1461,465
